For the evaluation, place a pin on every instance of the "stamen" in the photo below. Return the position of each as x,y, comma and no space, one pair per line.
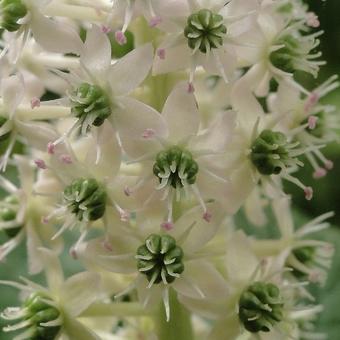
35,102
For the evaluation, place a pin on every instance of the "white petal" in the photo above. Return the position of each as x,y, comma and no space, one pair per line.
181,113
96,55
53,271
35,263
283,216
205,277
132,120
131,70
229,329
241,262
177,58
218,134
12,93
26,173
37,134
120,260
76,330
79,292
108,151
55,36
202,231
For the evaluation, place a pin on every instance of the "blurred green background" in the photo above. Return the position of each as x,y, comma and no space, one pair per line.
327,195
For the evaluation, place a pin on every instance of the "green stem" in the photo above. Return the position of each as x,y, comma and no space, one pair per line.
179,326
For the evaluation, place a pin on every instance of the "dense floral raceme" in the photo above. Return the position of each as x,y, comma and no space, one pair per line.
139,129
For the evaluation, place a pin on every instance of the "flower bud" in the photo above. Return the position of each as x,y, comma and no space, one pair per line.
205,30
11,12
260,307
160,259
8,213
175,167
90,104
86,198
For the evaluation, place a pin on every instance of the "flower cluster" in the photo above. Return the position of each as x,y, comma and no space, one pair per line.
144,127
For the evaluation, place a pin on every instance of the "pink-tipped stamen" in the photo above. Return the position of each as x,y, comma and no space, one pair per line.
107,245
155,21
45,220
312,20
161,53
319,173
51,148
148,133
329,164
66,159
40,163
308,193
168,225
105,29
207,216
190,88
312,120
120,38
35,102
311,101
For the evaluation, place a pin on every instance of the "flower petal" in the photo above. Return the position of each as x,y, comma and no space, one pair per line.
55,36
133,119
12,93
201,231
104,156
202,275
53,271
131,70
37,134
181,114
79,292
96,54
76,330
241,262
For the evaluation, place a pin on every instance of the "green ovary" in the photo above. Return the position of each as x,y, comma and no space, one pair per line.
261,307
175,167
205,30
86,198
160,259
90,102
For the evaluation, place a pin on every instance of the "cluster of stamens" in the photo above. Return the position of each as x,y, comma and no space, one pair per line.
293,53
86,199
205,30
160,259
175,167
91,105
36,312
271,153
261,307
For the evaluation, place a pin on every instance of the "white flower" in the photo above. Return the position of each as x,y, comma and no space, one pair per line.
316,124
53,311
277,46
15,124
21,214
261,150
25,16
201,35
86,174
100,90
178,158
162,261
